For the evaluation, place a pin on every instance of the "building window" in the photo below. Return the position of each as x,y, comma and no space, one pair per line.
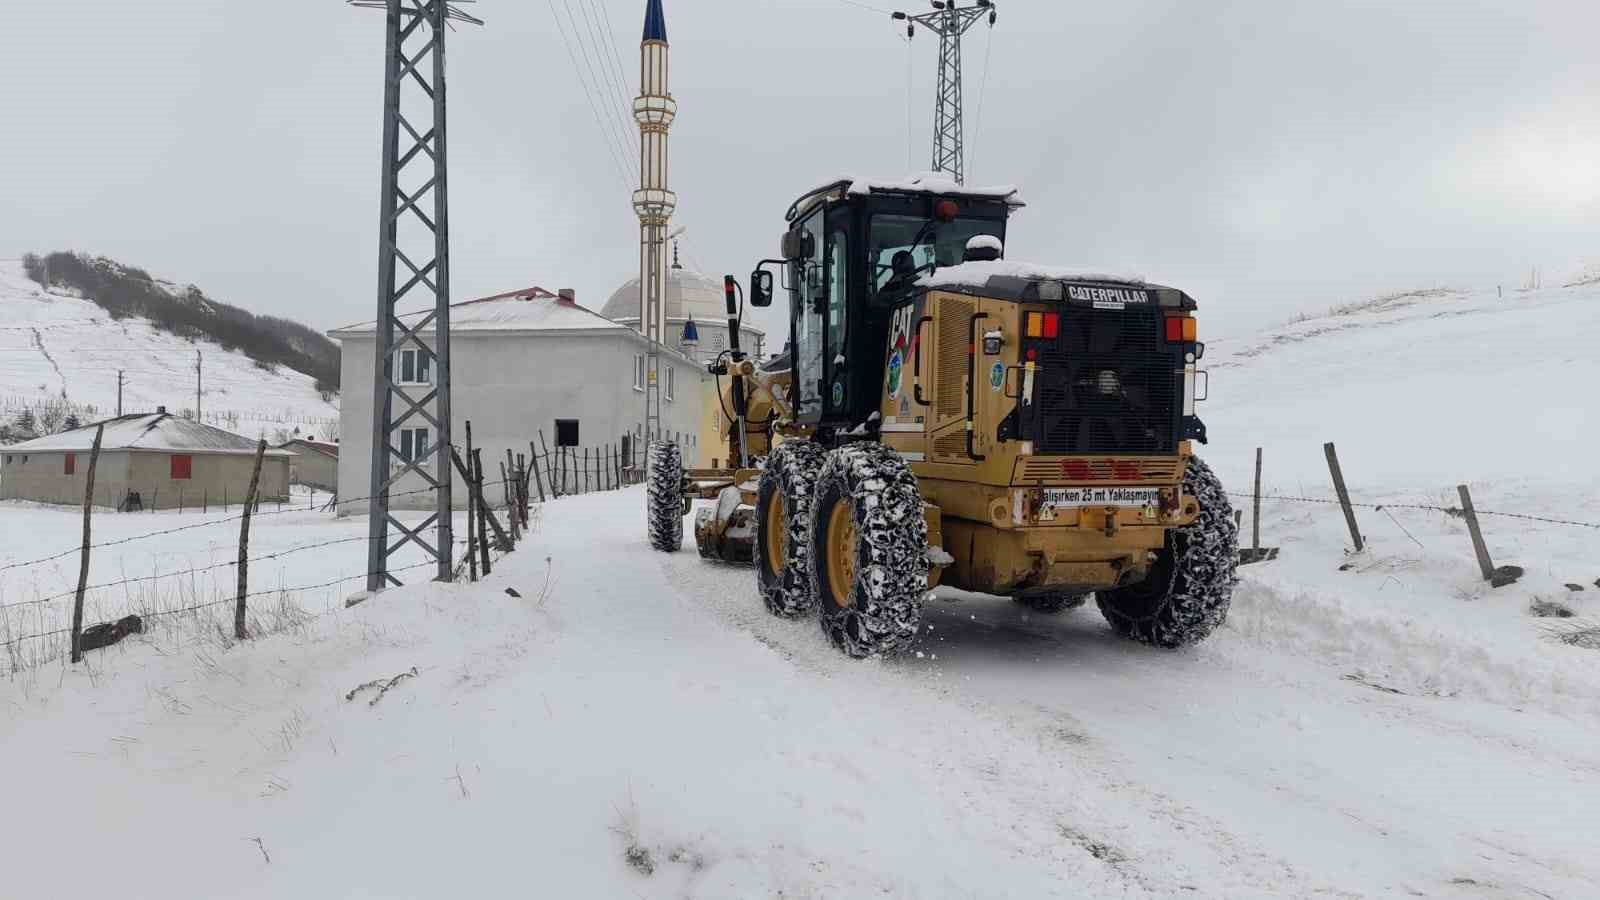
717,341
413,444
182,466
71,464
566,432
670,373
416,367
638,372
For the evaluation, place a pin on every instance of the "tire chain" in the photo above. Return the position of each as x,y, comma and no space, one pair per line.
664,513
885,612
1203,572
791,474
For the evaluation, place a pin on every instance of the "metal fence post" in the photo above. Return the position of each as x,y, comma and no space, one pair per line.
1344,495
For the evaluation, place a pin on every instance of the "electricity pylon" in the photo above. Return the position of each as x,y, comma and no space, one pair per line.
950,22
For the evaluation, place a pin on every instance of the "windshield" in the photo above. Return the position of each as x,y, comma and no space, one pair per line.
892,234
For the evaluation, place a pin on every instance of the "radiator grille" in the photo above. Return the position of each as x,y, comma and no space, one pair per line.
951,445
955,320
1092,469
1107,384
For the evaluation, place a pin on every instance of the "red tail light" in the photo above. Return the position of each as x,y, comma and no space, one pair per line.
1052,324
1174,330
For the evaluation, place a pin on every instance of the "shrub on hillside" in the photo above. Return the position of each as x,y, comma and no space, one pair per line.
124,291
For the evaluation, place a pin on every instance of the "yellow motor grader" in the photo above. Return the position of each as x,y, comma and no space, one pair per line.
944,415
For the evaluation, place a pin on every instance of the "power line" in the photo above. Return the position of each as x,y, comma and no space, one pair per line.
607,137
603,42
618,131
983,84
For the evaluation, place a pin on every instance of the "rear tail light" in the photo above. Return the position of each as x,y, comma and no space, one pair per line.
1181,330
1043,325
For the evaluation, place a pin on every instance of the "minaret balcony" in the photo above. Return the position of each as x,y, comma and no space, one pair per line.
654,109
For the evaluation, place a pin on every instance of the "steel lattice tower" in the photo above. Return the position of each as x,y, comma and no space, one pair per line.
654,110
950,23
409,237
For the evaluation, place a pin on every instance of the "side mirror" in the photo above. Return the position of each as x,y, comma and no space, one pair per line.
760,288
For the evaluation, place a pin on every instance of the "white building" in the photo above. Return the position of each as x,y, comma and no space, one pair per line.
525,365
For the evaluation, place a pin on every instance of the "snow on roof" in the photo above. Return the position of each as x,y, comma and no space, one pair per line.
159,432
926,183
319,446
931,183
529,309
977,274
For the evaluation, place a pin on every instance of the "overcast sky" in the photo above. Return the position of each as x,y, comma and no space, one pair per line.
1269,156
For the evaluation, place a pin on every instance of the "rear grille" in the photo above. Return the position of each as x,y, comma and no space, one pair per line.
1107,384
1073,469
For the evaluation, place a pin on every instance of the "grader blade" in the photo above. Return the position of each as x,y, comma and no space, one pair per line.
726,532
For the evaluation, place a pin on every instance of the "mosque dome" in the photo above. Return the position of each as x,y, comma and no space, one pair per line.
690,295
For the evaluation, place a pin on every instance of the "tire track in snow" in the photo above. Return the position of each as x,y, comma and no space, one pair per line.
38,343
1113,826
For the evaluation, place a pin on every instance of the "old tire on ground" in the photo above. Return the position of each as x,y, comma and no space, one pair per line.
664,505
1051,602
783,528
869,566
1190,584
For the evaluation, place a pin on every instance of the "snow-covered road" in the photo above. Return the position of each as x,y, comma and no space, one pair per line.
1265,760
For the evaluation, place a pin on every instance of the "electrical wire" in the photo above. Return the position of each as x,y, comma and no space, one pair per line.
983,84
605,49
619,130
607,137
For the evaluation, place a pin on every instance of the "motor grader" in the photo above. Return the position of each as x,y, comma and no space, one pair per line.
943,415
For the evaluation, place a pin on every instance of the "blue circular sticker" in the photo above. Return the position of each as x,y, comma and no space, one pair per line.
838,394
997,376
896,364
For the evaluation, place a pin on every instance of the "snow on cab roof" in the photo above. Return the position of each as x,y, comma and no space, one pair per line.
529,309
977,274
924,183
159,432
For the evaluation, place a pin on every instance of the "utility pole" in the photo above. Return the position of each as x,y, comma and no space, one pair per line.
950,22
413,80
197,360
119,392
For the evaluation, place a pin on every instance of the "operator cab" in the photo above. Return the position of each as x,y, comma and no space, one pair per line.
853,248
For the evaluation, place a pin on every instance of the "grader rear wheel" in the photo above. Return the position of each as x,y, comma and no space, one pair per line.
1186,595
783,527
869,559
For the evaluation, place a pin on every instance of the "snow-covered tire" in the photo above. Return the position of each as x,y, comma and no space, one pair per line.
664,486
869,595
1186,595
1051,603
783,528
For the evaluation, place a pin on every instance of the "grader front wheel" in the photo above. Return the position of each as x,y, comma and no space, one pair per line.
664,505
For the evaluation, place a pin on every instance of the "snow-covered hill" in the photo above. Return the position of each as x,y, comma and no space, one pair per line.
628,723
56,346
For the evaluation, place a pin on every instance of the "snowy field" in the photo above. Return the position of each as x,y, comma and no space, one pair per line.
56,345
633,724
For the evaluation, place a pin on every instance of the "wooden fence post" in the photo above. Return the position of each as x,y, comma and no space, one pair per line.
1255,515
1344,495
511,507
538,477
472,531
549,470
83,558
244,543
1485,565
483,514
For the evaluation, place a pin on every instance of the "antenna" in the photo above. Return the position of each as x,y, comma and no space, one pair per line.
404,443
950,22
